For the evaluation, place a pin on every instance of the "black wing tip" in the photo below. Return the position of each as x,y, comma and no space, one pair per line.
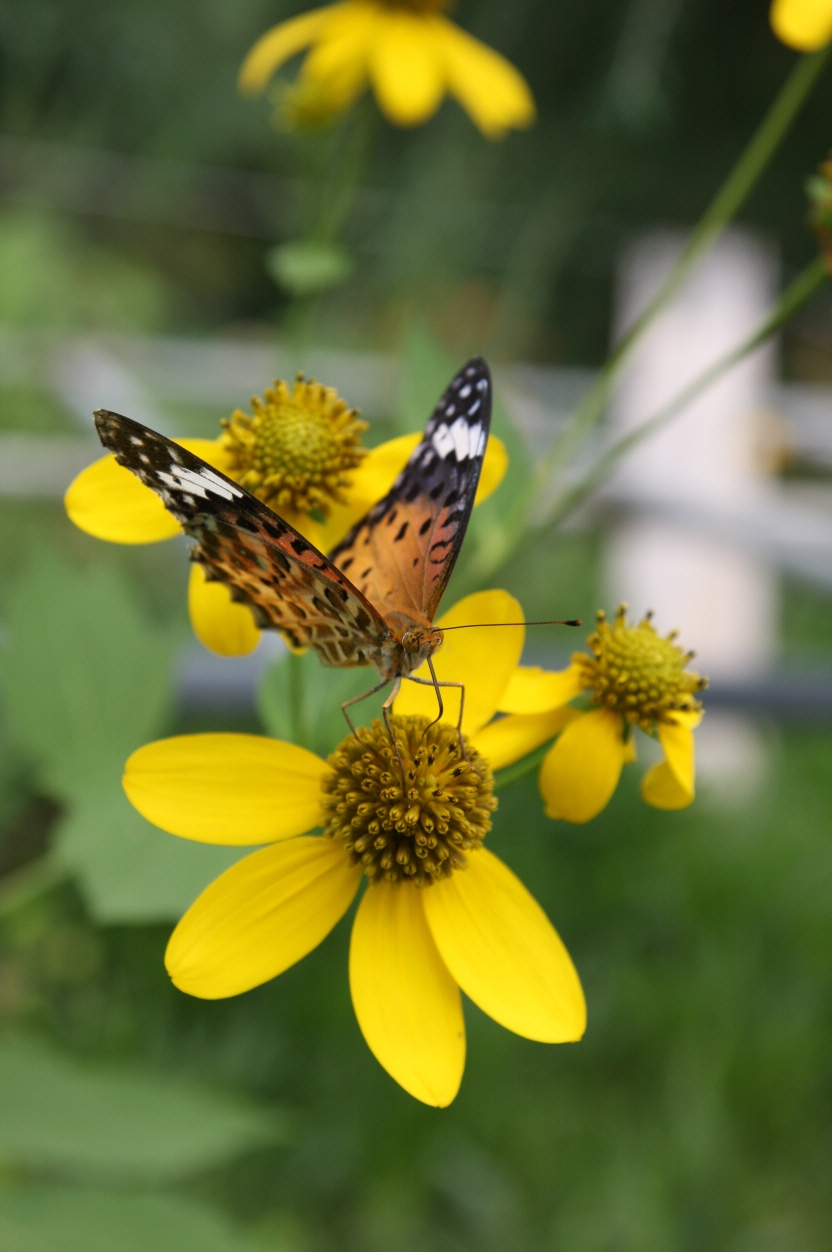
108,424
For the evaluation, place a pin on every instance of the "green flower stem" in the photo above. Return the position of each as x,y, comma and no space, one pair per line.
297,703
807,281
513,773
722,209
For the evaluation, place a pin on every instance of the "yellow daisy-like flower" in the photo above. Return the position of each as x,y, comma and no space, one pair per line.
634,678
440,914
409,52
298,452
802,24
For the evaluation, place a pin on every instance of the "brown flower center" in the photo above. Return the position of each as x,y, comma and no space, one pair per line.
294,452
637,673
419,833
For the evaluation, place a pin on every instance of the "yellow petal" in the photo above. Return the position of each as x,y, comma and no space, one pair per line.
261,916
407,1004
226,788
509,739
109,502
670,785
581,772
504,952
482,660
337,63
494,467
277,45
405,67
489,88
221,624
802,24
534,690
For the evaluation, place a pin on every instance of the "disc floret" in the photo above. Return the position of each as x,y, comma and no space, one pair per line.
295,450
636,672
414,833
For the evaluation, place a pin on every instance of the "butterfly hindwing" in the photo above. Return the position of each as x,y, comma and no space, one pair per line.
265,562
402,553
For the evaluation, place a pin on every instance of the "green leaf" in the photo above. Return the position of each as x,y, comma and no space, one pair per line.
129,871
122,1123
300,700
426,370
86,678
307,267
63,1219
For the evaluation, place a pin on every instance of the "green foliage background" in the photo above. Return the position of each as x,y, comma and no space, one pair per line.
695,1115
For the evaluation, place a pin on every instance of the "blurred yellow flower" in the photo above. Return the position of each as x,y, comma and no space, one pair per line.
635,678
440,914
802,24
299,453
407,50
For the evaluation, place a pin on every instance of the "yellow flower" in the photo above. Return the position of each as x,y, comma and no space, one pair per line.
406,49
802,24
635,678
440,914
322,495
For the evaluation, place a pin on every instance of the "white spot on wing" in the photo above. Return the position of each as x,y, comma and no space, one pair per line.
459,431
443,440
199,482
465,391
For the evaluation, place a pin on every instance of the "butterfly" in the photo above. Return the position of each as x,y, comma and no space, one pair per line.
373,600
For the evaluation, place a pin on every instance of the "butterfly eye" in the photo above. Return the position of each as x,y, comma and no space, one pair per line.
412,640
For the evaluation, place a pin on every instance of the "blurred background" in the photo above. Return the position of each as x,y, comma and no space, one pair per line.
149,263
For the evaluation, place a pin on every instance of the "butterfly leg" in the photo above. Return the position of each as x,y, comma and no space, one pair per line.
385,713
365,695
434,682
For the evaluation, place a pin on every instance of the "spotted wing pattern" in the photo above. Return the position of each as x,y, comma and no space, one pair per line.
402,553
286,582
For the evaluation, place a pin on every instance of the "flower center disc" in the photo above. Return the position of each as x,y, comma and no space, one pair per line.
420,833
637,673
294,451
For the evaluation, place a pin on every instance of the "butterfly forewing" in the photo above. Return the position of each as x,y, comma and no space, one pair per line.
266,563
400,556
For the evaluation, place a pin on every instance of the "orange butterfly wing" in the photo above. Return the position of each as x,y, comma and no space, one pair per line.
400,556
286,582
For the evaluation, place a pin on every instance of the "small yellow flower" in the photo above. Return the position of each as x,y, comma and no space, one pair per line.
409,52
296,451
440,913
802,24
299,453
635,678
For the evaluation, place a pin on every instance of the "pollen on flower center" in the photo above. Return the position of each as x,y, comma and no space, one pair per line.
419,833
636,672
295,450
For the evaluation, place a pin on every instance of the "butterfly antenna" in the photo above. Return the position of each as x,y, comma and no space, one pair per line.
574,621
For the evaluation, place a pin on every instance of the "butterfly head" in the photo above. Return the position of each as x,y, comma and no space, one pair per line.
420,642
412,643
